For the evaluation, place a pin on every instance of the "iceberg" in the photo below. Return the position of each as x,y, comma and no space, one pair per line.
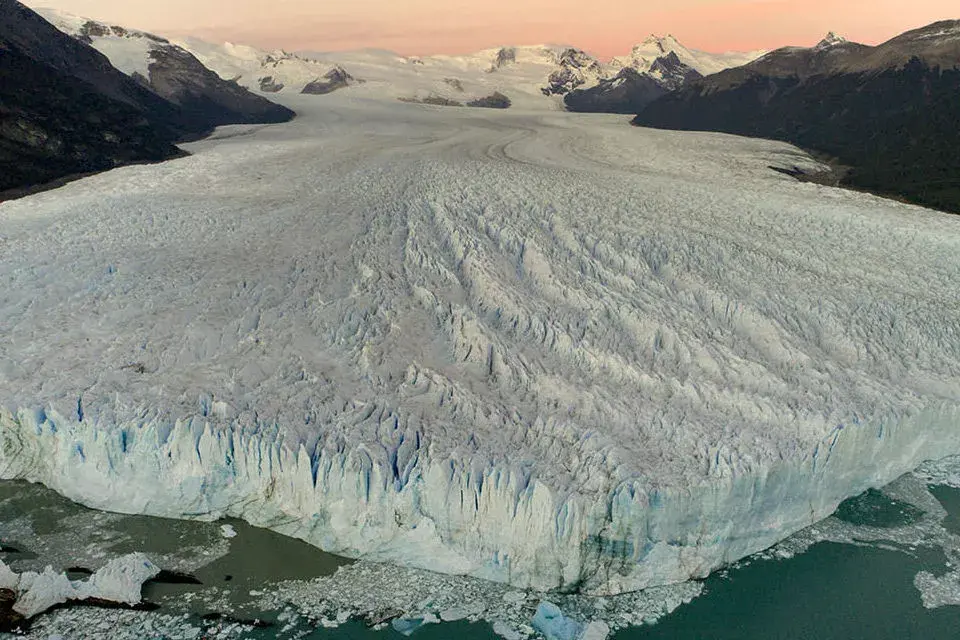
551,622
539,349
119,581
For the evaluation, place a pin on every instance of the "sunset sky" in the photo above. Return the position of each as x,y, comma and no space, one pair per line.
603,27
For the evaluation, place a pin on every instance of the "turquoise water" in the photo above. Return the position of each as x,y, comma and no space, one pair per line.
833,591
949,497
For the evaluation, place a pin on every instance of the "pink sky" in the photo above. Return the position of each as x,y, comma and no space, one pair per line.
603,27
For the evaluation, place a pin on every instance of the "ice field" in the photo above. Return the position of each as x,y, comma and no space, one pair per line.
539,348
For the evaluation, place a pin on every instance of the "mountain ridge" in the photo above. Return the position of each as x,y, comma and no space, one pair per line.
888,112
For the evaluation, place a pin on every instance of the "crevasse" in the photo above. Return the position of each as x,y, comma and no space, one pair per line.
543,349
497,524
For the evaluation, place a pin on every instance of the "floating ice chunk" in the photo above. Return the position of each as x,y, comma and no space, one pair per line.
459,613
407,625
940,591
38,592
551,622
120,580
8,579
597,630
503,630
227,531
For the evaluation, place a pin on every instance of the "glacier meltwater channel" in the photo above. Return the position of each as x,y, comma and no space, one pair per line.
537,348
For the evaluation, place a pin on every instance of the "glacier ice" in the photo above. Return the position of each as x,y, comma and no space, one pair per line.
551,622
120,581
541,349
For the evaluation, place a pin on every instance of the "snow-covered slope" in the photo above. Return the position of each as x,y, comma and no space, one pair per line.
540,349
204,98
522,73
128,50
643,56
532,75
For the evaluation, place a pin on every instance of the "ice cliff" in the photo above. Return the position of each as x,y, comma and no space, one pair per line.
538,349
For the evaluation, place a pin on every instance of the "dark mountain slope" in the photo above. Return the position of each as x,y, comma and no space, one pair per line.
889,112
24,31
627,92
204,99
53,124
631,90
64,109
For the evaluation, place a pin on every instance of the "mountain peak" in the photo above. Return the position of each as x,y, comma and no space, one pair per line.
831,40
662,43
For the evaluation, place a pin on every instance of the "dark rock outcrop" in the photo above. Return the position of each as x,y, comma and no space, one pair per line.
269,85
889,112
336,78
562,81
204,98
575,67
505,56
437,101
454,83
495,101
671,73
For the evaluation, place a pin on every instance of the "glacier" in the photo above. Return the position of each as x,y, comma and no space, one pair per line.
537,348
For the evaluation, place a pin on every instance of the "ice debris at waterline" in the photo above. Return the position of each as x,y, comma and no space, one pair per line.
539,349
551,622
406,599
119,581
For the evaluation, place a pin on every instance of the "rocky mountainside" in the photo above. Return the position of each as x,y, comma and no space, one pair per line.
643,56
65,110
69,108
632,90
204,99
627,92
574,68
889,113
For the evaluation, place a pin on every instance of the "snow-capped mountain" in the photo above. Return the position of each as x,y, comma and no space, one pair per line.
889,112
831,40
627,92
575,68
644,56
631,89
535,76
269,71
170,71
526,74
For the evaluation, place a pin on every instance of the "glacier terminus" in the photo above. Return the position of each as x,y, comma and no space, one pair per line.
539,348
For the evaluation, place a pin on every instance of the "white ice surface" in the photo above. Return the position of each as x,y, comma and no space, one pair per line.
120,581
544,349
